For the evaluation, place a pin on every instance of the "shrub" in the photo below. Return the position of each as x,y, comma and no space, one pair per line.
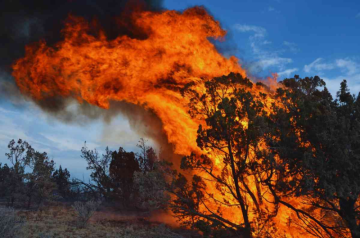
151,187
136,231
85,210
10,223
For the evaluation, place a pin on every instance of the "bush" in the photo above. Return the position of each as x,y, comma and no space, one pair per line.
151,188
10,223
135,231
85,210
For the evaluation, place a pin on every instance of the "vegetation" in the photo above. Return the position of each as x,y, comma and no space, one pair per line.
10,223
295,148
85,210
306,147
225,105
318,144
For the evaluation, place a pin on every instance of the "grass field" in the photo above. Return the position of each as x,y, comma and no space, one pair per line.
61,221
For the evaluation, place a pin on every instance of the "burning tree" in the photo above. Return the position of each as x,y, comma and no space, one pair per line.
253,154
317,143
229,171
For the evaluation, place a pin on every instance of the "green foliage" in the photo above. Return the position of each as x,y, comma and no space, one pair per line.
317,141
22,186
62,180
135,180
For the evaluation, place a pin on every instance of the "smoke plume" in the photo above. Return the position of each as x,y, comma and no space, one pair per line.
24,22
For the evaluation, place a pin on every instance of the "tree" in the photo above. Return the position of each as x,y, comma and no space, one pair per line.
122,168
317,142
29,180
228,170
112,174
5,173
19,156
100,174
151,187
39,186
62,180
147,156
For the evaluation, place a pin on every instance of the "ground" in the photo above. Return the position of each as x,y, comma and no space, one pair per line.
60,221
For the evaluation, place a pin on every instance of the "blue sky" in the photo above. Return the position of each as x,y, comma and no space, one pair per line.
284,36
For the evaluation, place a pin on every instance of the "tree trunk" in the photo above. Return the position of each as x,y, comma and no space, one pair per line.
247,231
29,202
348,213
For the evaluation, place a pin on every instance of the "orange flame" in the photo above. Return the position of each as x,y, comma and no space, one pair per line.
177,51
145,72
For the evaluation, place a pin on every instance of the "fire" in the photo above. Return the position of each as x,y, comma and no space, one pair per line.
147,72
93,69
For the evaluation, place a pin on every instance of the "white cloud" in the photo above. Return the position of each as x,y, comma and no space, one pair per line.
287,72
292,46
317,65
271,9
274,61
264,58
65,144
347,66
358,15
333,84
266,42
259,32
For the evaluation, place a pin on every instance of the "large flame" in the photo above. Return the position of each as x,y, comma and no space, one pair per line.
147,72
177,51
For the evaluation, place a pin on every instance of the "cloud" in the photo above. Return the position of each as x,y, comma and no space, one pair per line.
317,65
266,42
333,83
9,128
67,144
287,72
260,32
358,15
264,58
274,61
347,66
292,46
272,9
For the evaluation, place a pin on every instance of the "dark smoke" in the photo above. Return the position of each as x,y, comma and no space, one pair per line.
23,22
26,21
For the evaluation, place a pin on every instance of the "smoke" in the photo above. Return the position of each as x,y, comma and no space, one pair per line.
24,21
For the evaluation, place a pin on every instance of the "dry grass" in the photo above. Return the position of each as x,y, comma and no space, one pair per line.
10,223
61,221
